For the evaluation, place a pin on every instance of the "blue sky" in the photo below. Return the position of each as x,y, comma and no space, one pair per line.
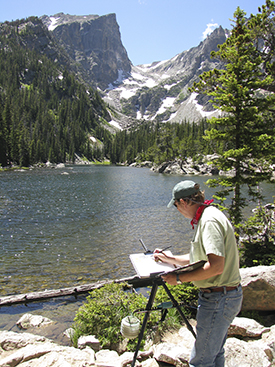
151,30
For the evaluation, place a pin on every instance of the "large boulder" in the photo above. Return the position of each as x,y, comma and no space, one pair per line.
241,353
246,328
10,340
258,288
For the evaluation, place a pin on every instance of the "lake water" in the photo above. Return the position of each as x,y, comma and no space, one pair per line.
78,224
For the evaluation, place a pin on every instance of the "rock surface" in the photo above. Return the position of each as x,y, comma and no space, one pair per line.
258,288
28,320
27,350
94,43
188,167
204,166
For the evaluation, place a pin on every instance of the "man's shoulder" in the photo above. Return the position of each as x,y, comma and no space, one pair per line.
213,213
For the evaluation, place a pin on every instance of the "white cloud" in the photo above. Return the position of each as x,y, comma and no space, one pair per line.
209,29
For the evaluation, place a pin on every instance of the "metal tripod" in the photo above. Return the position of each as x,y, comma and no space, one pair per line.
155,284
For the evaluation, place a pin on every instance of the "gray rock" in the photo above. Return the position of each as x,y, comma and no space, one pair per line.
65,357
94,43
177,355
28,320
187,167
150,362
245,327
89,341
269,340
30,351
258,288
34,351
10,340
69,333
239,353
107,358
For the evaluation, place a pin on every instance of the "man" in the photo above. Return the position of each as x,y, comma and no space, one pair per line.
220,295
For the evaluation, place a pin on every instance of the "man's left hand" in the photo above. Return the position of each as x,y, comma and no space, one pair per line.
170,279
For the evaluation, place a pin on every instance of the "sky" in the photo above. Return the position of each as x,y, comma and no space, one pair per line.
151,30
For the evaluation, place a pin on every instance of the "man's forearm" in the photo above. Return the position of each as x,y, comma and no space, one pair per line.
180,260
214,266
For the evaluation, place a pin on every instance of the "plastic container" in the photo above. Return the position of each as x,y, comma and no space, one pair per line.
130,327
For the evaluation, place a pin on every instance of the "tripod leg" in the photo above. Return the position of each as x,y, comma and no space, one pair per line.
163,315
145,319
175,304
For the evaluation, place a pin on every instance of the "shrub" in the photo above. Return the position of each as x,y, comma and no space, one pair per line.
186,294
257,246
104,309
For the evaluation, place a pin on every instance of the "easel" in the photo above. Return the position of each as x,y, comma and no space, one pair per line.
155,283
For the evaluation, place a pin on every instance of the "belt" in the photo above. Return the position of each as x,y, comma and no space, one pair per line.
218,289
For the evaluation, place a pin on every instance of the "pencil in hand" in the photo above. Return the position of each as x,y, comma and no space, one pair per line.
162,252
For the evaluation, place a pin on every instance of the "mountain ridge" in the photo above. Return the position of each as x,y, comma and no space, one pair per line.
152,92
159,91
90,46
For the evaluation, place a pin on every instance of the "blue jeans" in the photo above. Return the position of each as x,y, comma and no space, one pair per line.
215,313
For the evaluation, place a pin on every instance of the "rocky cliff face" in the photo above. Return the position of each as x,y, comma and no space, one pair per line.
160,91
94,43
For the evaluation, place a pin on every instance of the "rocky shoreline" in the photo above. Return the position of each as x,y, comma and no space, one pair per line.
249,343
188,166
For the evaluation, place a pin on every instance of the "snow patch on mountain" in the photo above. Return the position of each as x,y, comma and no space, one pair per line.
166,103
53,23
115,124
192,99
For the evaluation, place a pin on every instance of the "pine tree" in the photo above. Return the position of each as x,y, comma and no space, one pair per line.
3,140
247,124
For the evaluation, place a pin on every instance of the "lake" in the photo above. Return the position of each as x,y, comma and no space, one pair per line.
62,227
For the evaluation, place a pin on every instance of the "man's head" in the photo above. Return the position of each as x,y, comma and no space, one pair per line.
187,190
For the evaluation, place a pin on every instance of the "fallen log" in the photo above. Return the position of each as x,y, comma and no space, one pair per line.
70,291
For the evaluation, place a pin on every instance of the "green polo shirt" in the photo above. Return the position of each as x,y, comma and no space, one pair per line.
214,234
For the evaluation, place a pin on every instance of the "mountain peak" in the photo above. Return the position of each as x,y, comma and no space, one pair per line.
94,44
58,19
160,91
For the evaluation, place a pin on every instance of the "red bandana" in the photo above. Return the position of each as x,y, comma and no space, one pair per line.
200,211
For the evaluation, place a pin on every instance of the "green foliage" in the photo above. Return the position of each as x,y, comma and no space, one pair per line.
186,294
161,142
104,309
247,125
257,244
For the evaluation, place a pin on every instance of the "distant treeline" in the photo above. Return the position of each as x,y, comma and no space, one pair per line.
162,142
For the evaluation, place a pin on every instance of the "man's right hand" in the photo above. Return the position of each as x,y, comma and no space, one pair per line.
159,255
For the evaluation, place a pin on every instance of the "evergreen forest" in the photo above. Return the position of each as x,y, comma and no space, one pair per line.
162,142
45,113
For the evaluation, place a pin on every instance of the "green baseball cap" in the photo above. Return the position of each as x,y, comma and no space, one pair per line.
182,190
